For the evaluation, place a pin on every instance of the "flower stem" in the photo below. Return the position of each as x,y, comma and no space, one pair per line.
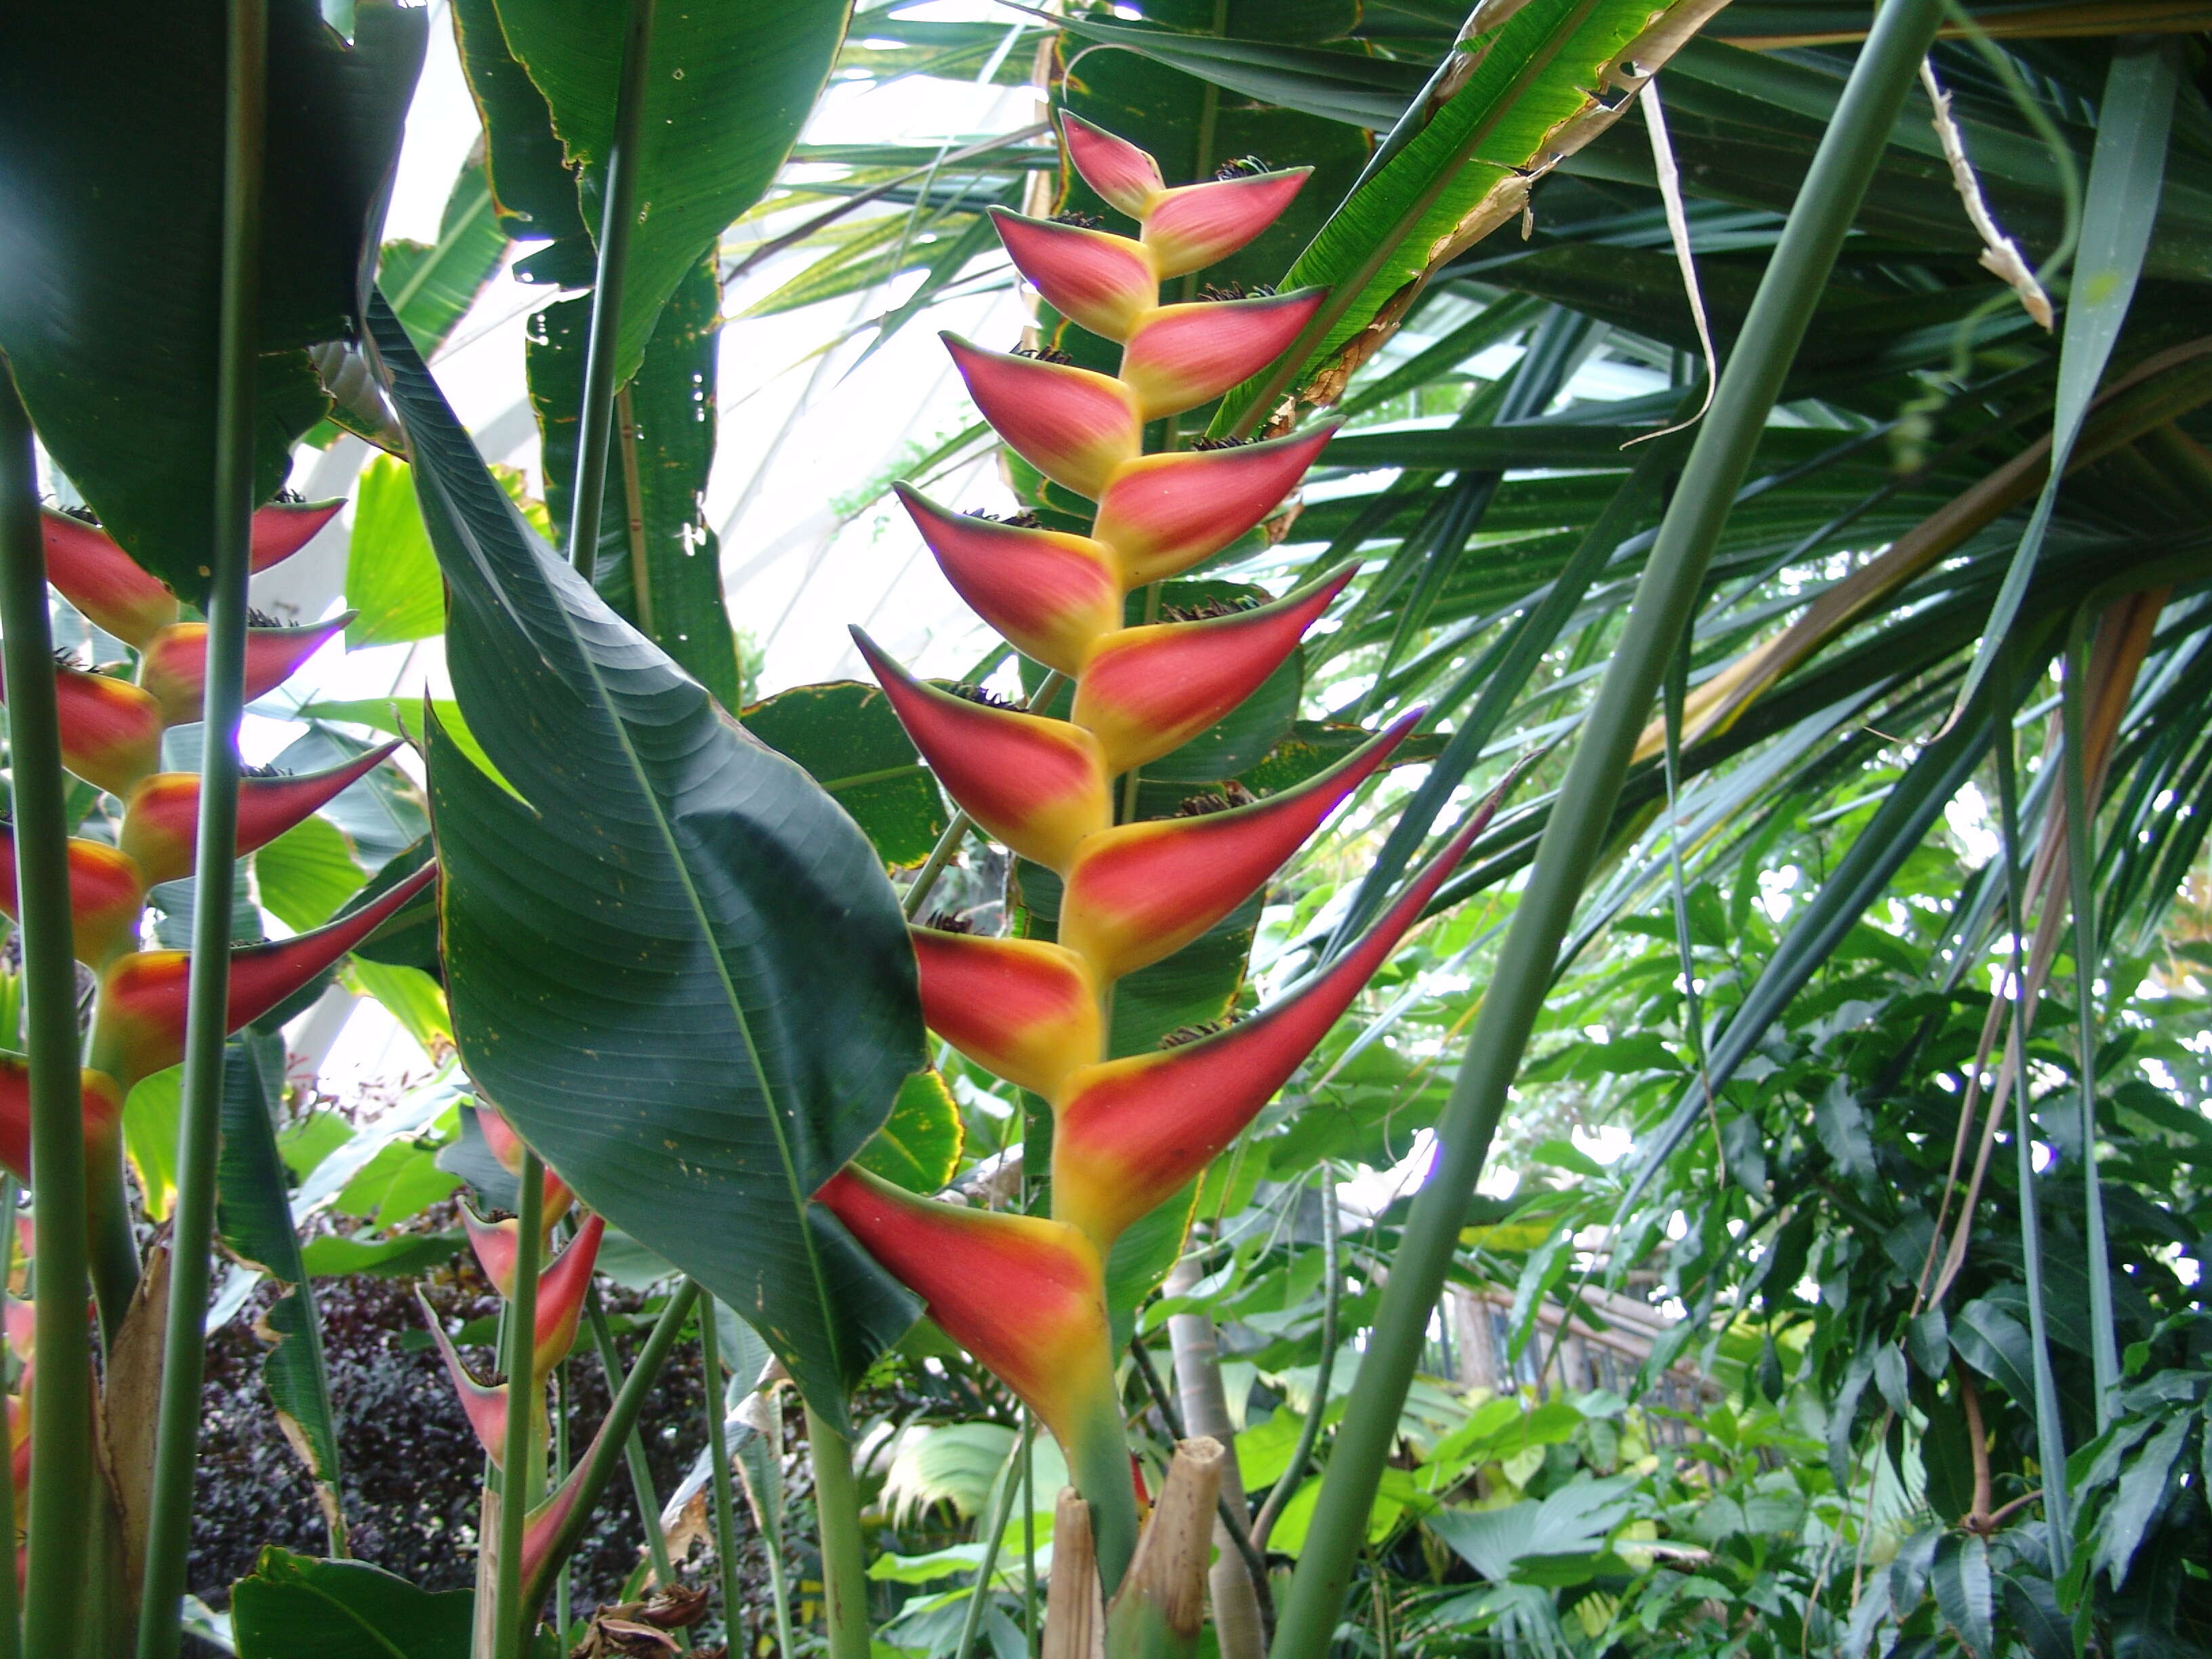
640,1472
844,1564
207,1014
718,1451
980,1597
518,1488
61,1479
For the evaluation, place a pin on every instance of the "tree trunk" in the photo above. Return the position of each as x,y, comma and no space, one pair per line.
1206,1413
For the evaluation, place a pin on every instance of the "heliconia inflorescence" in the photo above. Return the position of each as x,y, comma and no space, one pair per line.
111,730
1025,1294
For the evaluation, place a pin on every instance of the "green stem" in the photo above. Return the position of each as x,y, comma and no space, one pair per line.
1332,1276
844,1563
980,1597
640,1472
11,1632
599,1465
618,215
207,1014
1796,277
2049,1431
511,1623
1028,1530
2080,864
718,1452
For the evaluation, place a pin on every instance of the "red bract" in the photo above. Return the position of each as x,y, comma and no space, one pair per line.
1020,1008
140,1026
1128,1134
1074,426
1146,690
1105,283
100,579
506,1146
111,733
1052,594
175,667
561,1287
1189,230
108,890
161,821
1141,891
1038,785
1181,356
1163,514
1114,168
103,1112
282,528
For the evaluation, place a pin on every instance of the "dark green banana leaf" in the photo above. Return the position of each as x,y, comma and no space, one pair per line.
111,128
658,564
673,960
727,89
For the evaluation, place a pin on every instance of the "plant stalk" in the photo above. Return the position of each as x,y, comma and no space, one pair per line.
207,1015
1666,598
599,1465
62,1477
640,1472
718,1452
971,1619
844,1561
618,215
2080,864
512,1622
11,1629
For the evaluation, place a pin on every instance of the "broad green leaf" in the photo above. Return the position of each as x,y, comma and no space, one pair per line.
432,285
533,192
1577,1518
1142,1257
306,873
391,575
151,1118
845,736
1960,1578
410,995
919,1145
114,129
726,90
253,1222
1346,87
1464,174
402,719
292,1605
658,564
401,1181
399,1256
674,963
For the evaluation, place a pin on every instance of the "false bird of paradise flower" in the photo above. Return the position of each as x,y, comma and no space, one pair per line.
1025,1294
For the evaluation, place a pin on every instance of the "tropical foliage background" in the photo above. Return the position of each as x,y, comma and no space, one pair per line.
1833,1279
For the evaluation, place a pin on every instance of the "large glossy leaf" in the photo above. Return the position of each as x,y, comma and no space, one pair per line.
727,88
533,192
393,582
673,960
432,285
253,1221
292,1605
1464,174
111,123
658,564
845,734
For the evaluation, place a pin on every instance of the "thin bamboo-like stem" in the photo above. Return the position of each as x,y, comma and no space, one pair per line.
640,1472
718,1453
618,215
61,1476
2080,855
176,1445
844,1563
972,1620
599,1465
1666,597
11,1629
1029,1532
1332,1276
925,879
2049,1432
518,1486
